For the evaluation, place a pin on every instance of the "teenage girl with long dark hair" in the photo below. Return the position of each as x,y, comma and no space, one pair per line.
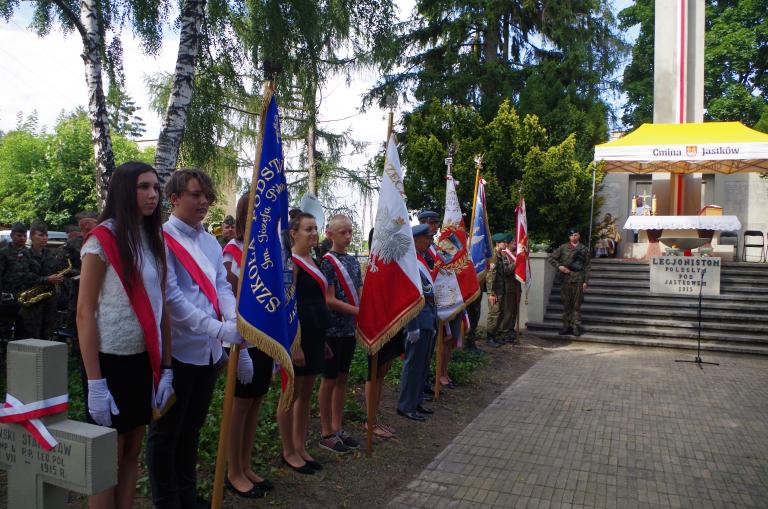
123,329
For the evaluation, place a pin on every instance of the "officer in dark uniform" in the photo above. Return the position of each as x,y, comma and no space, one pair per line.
419,341
17,273
432,221
496,286
572,260
41,318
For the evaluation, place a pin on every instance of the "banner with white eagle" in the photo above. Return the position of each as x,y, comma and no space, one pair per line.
392,292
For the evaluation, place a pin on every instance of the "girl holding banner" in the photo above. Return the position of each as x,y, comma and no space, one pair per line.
254,374
314,320
121,318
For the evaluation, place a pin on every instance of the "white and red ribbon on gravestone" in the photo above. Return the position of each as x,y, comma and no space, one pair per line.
27,415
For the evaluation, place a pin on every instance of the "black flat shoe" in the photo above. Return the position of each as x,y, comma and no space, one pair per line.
424,410
414,416
254,492
264,485
314,465
304,469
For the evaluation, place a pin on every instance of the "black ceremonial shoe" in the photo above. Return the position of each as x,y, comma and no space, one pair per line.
424,410
414,416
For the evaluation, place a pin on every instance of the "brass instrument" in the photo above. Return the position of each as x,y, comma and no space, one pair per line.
41,291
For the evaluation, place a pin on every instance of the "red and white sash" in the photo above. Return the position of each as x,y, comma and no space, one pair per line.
28,416
234,251
433,252
510,256
424,268
137,296
313,271
197,273
342,274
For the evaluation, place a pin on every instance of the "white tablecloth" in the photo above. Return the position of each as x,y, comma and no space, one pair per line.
720,223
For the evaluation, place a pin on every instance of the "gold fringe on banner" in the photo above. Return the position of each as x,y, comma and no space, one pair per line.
372,347
253,335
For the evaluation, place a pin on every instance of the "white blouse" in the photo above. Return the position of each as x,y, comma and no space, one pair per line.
118,326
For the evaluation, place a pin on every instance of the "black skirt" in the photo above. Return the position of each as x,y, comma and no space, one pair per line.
262,376
313,346
129,379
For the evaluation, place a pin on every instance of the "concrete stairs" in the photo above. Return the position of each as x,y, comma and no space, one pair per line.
618,308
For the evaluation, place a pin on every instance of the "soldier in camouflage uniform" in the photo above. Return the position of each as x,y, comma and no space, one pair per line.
41,319
17,273
496,286
572,260
512,292
86,221
227,231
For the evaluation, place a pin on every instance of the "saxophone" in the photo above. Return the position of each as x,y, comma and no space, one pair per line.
42,291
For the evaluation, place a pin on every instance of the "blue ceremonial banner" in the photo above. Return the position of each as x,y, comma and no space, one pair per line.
266,304
480,238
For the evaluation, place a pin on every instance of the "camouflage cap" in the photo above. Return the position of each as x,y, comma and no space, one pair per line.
38,226
18,227
228,220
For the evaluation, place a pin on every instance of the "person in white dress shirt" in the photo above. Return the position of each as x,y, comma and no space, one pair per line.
197,331
114,346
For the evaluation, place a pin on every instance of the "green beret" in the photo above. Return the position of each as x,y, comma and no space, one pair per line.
499,237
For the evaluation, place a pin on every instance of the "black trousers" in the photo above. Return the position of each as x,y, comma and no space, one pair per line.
173,439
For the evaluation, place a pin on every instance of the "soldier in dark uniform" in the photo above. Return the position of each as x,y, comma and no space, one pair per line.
496,286
40,319
572,260
17,273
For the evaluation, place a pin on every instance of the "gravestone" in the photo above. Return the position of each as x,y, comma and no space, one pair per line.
85,458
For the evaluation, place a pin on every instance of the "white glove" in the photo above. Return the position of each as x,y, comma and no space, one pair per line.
413,336
228,334
101,404
164,389
244,367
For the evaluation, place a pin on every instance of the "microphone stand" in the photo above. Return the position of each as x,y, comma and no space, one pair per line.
698,360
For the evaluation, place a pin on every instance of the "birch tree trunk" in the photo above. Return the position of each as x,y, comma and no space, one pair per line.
97,106
311,168
175,121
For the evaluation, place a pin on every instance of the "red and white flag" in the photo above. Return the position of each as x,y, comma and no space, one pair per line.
456,282
522,264
392,292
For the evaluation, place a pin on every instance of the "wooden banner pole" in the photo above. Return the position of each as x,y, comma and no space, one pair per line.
221,452
438,359
373,400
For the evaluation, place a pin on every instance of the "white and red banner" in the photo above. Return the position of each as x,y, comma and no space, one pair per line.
392,292
456,282
522,264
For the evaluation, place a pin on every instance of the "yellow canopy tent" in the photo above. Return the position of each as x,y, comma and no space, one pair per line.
709,147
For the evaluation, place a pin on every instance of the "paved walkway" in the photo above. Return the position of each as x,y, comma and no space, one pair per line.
614,427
